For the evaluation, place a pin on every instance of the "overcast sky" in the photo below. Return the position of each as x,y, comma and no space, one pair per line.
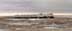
35,5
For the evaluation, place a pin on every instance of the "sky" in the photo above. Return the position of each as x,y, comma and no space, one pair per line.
36,6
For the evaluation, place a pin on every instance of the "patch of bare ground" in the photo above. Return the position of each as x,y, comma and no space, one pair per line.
42,25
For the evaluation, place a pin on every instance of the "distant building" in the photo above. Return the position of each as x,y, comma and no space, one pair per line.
50,15
40,15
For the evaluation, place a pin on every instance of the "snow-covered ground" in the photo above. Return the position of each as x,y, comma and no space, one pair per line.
31,13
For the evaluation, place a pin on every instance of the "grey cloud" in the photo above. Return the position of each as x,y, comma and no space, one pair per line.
15,4
35,5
